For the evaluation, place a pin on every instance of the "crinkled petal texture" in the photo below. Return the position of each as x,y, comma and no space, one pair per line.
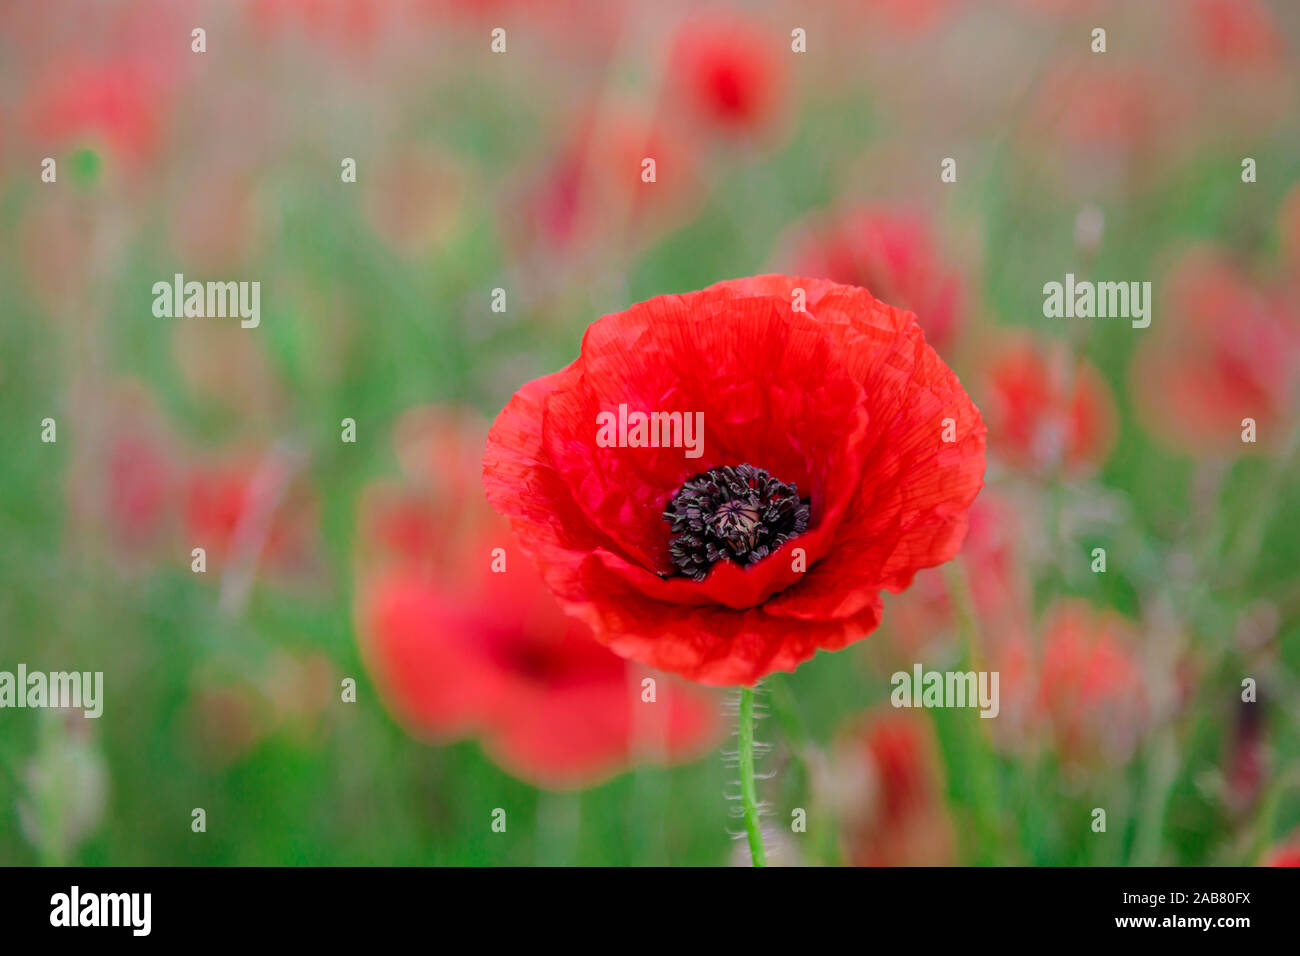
842,397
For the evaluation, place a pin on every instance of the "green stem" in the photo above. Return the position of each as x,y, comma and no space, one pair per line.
559,818
964,614
978,769
1245,550
749,795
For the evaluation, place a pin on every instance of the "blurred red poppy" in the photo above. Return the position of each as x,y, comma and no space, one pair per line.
118,104
1287,854
1199,376
999,587
1108,125
464,639
1108,111
597,189
1047,412
1091,689
887,787
837,456
728,74
125,481
249,507
893,255
1237,33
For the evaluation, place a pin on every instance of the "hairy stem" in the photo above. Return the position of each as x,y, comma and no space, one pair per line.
749,795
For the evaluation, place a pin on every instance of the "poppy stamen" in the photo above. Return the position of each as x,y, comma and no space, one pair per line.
738,513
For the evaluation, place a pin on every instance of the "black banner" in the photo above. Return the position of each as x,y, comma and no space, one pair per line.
333,905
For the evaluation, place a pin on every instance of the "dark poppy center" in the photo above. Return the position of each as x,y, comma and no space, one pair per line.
740,513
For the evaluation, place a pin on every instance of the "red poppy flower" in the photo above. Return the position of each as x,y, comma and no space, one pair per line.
1198,377
886,785
892,254
728,73
465,639
121,104
1288,854
239,506
839,456
1111,125
1043,414
1112,110
1237,34
138,486
124,483
1091,687
594,192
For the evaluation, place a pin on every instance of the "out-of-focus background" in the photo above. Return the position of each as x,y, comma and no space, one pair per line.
784,138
